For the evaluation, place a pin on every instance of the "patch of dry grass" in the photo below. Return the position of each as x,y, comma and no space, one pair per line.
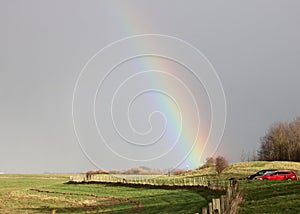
242,169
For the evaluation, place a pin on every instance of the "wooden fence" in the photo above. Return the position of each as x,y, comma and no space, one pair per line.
152,180
226,204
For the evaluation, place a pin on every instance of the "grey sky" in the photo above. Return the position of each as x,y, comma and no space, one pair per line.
253,45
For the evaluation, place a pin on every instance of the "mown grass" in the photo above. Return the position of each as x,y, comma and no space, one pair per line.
270,197
42,193
261,196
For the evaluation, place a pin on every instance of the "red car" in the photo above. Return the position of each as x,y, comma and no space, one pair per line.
280,175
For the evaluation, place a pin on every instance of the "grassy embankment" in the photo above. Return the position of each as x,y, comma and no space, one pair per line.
268,196
271,197
263,196
42,193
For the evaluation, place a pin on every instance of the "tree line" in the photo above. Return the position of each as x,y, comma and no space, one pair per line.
281,142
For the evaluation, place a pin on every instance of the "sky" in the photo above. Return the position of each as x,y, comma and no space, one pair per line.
120,84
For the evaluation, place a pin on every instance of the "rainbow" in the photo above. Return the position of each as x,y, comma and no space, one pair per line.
190,145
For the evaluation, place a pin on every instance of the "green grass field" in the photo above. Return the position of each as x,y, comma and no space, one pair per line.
262,197
42,193
275,197
271,197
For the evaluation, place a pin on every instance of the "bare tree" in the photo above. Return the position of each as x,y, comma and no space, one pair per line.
281,142
221,164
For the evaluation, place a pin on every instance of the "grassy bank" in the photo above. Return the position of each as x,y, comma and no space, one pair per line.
270,197
242,169
42,193
262,197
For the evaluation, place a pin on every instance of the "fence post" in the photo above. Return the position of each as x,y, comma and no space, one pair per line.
216,205
228,196
236,188
210,208
223,200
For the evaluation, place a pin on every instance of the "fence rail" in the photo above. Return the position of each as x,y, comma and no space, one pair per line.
226,204
152,180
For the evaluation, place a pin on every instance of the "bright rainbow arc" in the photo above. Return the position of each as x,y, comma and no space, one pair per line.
189,143
128,14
